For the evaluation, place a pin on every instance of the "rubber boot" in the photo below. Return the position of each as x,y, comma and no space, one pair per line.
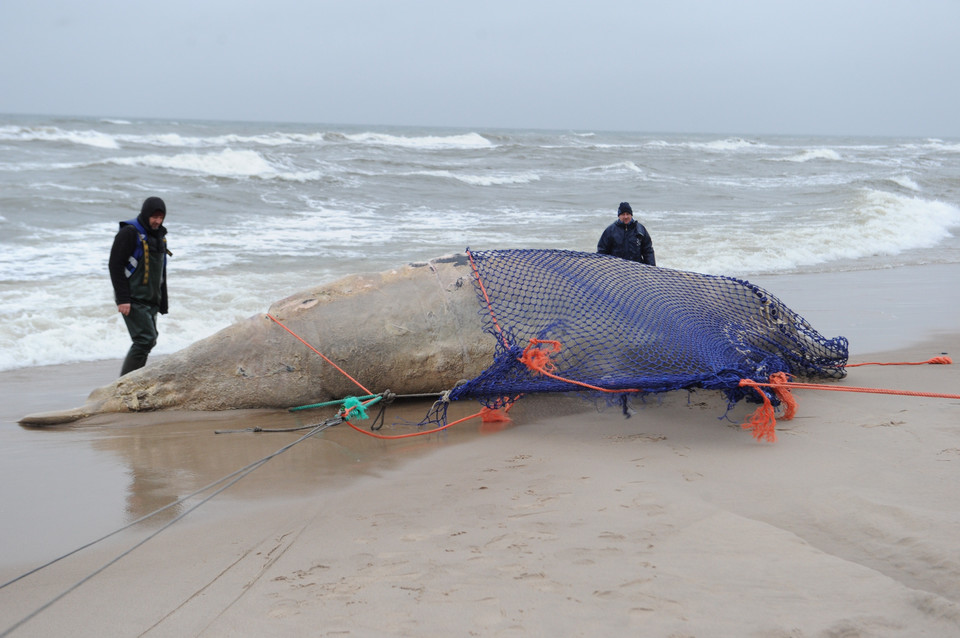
134,360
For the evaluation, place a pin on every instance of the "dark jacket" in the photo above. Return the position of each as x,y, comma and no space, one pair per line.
627,241
153,291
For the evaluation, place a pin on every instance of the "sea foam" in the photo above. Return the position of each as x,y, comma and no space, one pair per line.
56,134
465,141
225,163
813,154
877,225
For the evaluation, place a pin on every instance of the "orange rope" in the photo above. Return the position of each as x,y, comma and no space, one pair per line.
487,415
763,422
486,297
300,339
944,360
833,388
539,361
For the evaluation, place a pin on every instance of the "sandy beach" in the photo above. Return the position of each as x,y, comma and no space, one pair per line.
568,522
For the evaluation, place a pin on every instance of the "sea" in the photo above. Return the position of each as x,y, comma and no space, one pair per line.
258,211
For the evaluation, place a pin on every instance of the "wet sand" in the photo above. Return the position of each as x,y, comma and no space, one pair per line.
568,522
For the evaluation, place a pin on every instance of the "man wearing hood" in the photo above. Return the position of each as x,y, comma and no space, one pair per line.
627,238
138,272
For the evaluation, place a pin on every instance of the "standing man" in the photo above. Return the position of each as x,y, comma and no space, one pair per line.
138,272
627,238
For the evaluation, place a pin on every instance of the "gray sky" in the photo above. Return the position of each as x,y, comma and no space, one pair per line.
872,67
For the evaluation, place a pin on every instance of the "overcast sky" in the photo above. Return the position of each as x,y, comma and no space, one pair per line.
874,67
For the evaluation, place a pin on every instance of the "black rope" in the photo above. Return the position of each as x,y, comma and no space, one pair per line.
425,395
378,420
387,398
329,423
235,476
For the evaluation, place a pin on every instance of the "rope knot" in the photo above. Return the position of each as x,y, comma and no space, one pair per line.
351,404
763,422
538,359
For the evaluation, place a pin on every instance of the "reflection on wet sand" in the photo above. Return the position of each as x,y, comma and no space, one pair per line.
170,455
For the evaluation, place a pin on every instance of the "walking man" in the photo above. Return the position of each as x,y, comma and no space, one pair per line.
138,272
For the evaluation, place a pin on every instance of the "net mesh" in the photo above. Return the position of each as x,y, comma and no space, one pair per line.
626,327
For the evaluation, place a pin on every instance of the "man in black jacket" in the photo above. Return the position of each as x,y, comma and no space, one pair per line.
138,272
627,238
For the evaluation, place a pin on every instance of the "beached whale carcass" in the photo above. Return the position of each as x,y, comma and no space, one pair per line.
413,329
485,318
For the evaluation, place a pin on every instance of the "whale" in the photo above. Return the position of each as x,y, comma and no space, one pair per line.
413,329
456,324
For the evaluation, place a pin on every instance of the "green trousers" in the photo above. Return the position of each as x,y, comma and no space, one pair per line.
142,326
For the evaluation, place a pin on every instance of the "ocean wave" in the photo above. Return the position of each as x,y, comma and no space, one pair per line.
722,145
730,144
54,134
101,139
810,154
877,225
619,167
482,180
226,163
891,223
428,142
46,331
904,182
936,145
268,139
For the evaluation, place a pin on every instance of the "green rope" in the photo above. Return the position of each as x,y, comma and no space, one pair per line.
353,407
326,403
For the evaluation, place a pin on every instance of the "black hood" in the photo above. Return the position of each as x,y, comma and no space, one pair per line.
152,205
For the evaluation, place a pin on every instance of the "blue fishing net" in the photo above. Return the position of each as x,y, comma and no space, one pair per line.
601,323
